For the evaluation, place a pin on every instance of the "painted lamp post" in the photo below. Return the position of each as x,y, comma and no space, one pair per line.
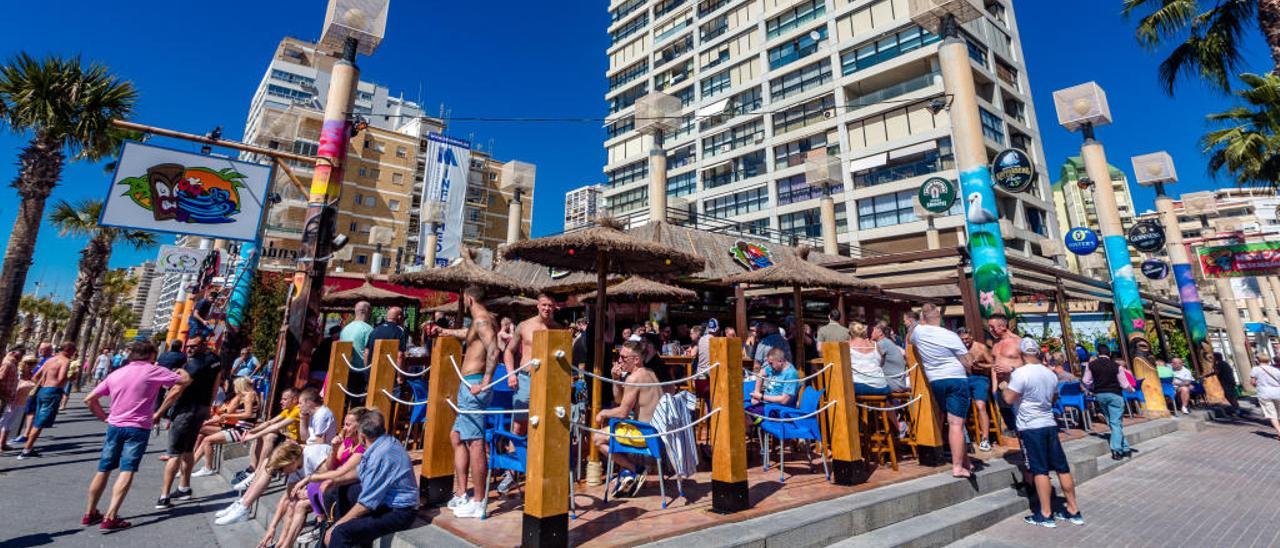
656,114
823,171
1083,108
1156,170
986,246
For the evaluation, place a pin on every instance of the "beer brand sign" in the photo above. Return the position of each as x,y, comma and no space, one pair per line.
1240,260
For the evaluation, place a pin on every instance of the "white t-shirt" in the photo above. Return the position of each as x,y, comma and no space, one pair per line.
940,350
1183,376
322,427
1038,386
1267,378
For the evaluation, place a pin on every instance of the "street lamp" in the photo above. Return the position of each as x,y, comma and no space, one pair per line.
517,178
1156,170
657,113
1084,107
986,246
822,171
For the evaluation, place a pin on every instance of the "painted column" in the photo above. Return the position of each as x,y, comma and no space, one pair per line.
1124,287
657,179
1189,295
515,211
830,243
1268,301
432,243
986,246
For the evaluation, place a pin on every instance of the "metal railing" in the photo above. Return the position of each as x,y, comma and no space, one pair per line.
689,218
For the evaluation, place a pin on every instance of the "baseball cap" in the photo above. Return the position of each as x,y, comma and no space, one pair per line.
1030,346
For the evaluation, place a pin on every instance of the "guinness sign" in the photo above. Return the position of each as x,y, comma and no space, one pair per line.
1146,236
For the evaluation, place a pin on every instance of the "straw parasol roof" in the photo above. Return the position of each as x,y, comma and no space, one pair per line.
798,271
376,296
625,254
640,289
539,278
503,305
463,273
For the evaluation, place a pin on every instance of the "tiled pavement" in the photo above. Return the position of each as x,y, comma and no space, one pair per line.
1219,488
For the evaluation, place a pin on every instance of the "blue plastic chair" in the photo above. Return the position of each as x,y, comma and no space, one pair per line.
1071,396
652,448
805,429
418,415
1136,395
1170,393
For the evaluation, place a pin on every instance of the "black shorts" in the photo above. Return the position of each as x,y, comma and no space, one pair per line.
185,429
1043,451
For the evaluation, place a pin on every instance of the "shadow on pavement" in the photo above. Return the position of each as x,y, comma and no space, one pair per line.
38,539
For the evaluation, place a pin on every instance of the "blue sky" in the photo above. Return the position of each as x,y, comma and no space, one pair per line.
196,65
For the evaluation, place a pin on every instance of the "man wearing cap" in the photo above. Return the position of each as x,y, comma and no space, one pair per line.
1030,390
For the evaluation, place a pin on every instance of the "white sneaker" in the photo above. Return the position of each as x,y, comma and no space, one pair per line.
984,446
1185,411
473,509
308,538
234,504
238,513
243,484
458,500
202,472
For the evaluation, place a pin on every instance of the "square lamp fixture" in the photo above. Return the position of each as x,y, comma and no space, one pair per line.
656,112
363,20
381,235
930,13
1085,104
1200,203
1154,168
432,212
517,175
821,169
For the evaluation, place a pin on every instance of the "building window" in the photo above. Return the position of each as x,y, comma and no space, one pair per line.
1007,74
287,93
742,103
629,28
364,96
397,178
683,184
682,156
306,148
362,259
354,227
804,114
794,17
794,153
402,152
875,52
715,84
739,169
908,166
627,98
732,139
887,210
992,126
393,205
795,189
277,74
628,74
627,8
808,223
359,199
1036,221
739,203
800,81
797,49
673,50
685,95
630,173
628,201
620,127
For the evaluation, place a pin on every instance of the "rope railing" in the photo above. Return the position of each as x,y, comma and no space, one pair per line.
609,380
485,411
792,419
457,369
798,381
647,436
909,403
398,400
354,368
348,392
510,373
396,366
893,376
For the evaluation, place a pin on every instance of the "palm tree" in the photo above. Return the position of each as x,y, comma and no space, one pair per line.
117,284
81,219
67,108
30,308
1247,143
55,316
1210,32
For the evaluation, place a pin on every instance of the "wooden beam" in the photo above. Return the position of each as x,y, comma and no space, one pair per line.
437,452
546,496
334,398
382,377
925,417
297,183
740,309
969,301
797,299
847,464
894,258
235,145
728,428
1064,320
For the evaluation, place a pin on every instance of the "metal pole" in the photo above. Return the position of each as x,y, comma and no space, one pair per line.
1131,320
303,319
986,246
153,130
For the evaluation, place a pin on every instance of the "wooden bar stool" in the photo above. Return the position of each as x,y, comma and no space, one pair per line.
996,422
907,416
879,434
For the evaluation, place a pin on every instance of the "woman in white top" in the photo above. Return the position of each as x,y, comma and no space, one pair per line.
1266,379
868,371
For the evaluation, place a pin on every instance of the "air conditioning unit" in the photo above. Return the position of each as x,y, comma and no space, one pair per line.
929,13
363,20
1085,104
1153,168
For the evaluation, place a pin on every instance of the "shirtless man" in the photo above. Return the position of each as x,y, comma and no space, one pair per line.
633,400
981,379
479,359
49,382
1006,351
520,350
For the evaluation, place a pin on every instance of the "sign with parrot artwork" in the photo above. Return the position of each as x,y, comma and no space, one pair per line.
165,190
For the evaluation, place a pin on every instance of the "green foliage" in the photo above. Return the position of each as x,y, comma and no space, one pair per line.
265,312
62,99
1176,337
1208,35
1247,142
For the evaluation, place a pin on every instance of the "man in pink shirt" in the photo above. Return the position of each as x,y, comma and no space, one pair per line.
133,390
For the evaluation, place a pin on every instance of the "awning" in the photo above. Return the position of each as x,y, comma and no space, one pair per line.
1259,327
868,162
713,108
913,149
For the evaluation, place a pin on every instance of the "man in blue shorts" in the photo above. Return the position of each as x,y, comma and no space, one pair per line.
50,380
946,363
518,353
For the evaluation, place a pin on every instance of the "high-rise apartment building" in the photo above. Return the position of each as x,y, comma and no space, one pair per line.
143,298
582,205
383,175
763,82
1076,209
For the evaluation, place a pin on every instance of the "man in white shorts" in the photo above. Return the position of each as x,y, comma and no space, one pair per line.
1266,379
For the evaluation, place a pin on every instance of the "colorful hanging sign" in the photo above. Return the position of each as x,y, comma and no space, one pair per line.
1234,261
1155,269
937,195
751,255
447,168
1146,236
557,273
165,190
986,247
1013,170
1081,241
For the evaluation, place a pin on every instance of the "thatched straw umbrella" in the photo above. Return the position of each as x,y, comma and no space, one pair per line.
644,290
604,249
507,306
798,274
376,296
458,276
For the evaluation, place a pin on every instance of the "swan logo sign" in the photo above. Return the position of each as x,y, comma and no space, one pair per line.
165,190
1013,170
1081,241
937,195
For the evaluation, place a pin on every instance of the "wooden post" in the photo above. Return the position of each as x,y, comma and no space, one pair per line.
740,310
798,310
972,314
1064,320
595,468
381,377
334,398
437,452
847,465
546,497
925,415
1160,336
728,428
